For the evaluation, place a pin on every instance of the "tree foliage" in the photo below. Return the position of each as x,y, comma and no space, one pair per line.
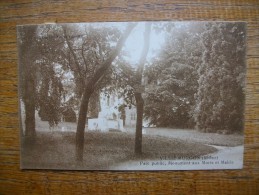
50,89
70,55
220,96
198,78
172,79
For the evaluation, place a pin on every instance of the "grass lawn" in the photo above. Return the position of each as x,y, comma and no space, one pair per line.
56,150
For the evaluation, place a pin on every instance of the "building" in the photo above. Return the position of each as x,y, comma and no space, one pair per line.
111,118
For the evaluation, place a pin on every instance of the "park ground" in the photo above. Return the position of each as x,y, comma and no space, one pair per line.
54,148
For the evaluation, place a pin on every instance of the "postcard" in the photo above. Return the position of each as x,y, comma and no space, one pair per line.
160,95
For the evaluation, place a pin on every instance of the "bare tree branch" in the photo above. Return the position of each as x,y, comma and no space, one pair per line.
78,71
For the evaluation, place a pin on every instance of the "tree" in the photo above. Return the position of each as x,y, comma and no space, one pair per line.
138,92
27,80
40,84
220,96
130,86
89,87
172,78
128,83
49,87
83,55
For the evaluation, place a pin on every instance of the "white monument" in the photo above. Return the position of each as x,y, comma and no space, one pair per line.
109,117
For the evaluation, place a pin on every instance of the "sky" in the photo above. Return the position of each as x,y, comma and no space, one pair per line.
134,44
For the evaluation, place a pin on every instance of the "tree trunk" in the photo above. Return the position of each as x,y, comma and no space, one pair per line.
137,94
30,120
139,124
27,78
81,124
29,104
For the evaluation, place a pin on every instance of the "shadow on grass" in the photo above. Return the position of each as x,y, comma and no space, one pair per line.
56,150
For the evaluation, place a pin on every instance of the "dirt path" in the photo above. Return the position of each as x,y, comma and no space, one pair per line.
229,154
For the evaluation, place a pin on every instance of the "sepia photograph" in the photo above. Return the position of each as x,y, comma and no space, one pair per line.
157,95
